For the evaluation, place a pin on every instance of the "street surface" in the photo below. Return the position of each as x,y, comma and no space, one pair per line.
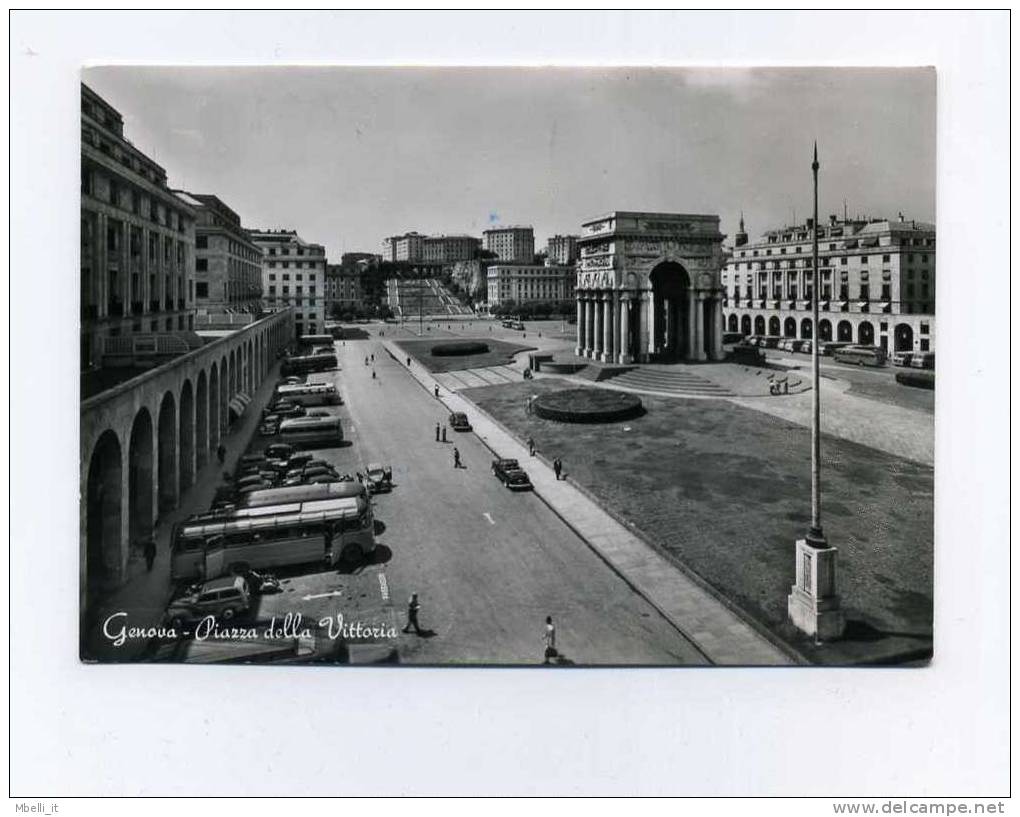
488,564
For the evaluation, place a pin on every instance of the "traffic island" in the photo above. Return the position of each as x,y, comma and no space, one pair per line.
587,406
459,348
487,352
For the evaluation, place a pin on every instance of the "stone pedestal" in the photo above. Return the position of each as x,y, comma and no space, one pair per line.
813,604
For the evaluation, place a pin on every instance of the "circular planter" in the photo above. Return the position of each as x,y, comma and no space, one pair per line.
461,347
587,406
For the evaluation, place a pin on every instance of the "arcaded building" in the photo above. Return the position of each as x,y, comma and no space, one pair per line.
228,264
649,288
877,279
137,243
294,275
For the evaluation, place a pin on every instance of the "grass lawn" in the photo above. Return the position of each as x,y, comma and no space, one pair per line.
500,353
726,491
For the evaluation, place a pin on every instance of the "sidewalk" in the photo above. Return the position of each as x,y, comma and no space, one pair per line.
719,633
144,596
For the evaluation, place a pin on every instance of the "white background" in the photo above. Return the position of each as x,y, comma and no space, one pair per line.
81,730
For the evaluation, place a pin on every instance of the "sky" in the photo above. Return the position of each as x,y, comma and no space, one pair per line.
349,156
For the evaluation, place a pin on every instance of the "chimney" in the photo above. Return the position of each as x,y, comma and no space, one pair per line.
900,214
832,221
809,223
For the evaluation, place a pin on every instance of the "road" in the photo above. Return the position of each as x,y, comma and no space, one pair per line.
489,564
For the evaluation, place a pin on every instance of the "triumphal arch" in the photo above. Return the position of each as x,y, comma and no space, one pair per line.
649,288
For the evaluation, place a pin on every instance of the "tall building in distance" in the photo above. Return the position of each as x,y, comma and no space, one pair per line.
294,274
513,244
137,240
562,249
343,282
877,279
438,249
228,264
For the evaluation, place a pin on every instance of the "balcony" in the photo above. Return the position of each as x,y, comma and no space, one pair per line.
154,305
137,307
115,308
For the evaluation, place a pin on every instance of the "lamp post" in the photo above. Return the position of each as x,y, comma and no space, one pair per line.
813,604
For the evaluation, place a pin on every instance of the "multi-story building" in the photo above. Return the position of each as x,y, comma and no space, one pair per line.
228,264
343,287
448,249
440,249
406,247
522,283
513,244
877,283
562,249
294,274
137,239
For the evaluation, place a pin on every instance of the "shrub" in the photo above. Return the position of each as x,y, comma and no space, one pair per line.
919,380
462,347
587,406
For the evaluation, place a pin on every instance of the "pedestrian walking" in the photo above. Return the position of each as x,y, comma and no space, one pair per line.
527,406
531,446
221,453
436,391
550,640
409,361
456,457
558,467
149,549
444,434
373,358
437,432
413,609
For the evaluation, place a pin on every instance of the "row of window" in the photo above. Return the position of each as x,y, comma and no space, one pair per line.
149,172
298,290
902,242
124,197
286,251
824,262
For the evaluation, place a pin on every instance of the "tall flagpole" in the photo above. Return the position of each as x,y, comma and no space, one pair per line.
815,535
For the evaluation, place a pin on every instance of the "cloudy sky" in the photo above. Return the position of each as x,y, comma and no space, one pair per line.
348,156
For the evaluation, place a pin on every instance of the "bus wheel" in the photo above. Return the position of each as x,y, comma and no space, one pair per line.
351,555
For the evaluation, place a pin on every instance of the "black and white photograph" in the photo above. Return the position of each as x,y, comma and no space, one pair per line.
371,373
508,403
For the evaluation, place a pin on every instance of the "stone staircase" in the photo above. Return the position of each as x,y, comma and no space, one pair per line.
679,381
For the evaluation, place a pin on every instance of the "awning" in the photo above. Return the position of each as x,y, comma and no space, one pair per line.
239,403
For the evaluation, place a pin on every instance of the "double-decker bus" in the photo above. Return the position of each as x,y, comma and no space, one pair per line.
304,364
860,355
323,531
312,432
309,394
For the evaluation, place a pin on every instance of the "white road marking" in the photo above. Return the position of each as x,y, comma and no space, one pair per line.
384,588
322,595
488,516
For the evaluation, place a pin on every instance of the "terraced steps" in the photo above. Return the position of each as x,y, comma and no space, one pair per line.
679,382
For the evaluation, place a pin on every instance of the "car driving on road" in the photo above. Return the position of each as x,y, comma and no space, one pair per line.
510,473
378,477
223,598
459,421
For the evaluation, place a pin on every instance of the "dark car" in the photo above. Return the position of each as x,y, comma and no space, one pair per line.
748,354
459,421
287,410
378,477
510,473
279,451
222,598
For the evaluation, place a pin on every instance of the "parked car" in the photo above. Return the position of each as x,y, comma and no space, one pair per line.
922,360
298,460
730,338
319,413
378,477
803,346
223,598
279,451
286,410
270,425
786,345
510,473
292,380
748,354
261,485
459,421
251,459
770,341
901,358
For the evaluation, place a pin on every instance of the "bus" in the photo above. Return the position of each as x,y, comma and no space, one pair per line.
316,340
309,394
308,363
860,355
325,531
312,432
302,493
829,348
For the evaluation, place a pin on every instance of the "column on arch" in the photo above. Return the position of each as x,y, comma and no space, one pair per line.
597,331
699,331
624,328
717,330
579,331
607,327
648,303
690,353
